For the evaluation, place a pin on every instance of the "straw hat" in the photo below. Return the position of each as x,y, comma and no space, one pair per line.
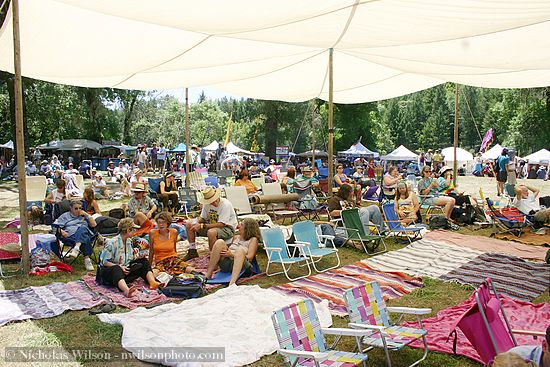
444,169
209,195
139,188
125,224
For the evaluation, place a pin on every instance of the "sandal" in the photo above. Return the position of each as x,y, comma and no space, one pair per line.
107,308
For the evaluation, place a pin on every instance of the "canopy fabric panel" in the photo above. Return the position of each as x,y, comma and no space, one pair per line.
212,146
8,145
462,155
309,153
70,144
233,149
541,156
400,154
180,148
493,153
359,149
280,49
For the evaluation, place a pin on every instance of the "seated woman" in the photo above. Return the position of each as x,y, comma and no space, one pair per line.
162,248
100,186
406,204
287,184
57,195
429,187
389,182
447,187
244,180
340,177
168,193
138,178
239,255
92,206
118,266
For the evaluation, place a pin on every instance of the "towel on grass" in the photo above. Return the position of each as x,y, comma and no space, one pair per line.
46,301
237,318
515,277
331,285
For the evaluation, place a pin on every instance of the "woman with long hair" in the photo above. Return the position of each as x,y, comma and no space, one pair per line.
406,204
239,254
92,207
244,180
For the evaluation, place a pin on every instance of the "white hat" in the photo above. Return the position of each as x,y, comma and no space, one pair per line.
139,187
209,195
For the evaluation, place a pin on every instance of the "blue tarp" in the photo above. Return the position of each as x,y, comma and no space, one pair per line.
181,148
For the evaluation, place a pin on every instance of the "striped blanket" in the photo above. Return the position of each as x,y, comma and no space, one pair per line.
511,275
424,258
46,301
331,285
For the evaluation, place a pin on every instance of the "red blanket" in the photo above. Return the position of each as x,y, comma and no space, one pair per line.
522,315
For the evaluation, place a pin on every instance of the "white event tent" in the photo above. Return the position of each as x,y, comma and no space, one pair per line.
359,149
541,156
212,146
462,155
233,149
400,154
492,153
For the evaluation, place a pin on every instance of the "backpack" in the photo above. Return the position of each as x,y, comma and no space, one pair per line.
185,287
545,201
464,215
308,202
438,222
117,213
107,225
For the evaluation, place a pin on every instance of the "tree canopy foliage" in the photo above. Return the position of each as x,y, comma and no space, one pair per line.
422,120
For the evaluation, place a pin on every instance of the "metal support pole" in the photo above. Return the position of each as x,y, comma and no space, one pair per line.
330,124
187,147
455,162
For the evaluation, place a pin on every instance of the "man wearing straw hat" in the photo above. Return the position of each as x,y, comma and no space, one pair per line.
141,208
217,221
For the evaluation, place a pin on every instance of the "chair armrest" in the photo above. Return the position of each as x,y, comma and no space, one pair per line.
529,332
355,325
326,236
276,249
300,244
410,310
345,331
303,353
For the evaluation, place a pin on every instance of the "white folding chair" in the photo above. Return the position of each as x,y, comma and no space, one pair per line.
36,188
278,209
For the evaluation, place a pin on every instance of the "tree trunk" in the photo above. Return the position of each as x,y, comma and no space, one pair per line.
128,118
271,126
547,99
91,96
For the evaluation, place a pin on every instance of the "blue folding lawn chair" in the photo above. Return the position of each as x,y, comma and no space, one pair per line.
277,252
394,226
305,232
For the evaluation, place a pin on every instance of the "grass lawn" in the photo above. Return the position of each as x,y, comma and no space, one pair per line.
78,329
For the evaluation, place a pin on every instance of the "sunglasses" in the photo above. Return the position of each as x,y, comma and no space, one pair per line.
77,207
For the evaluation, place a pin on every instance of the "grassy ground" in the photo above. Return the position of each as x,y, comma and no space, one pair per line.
78,329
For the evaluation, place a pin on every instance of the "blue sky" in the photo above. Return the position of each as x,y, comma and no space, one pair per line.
195,92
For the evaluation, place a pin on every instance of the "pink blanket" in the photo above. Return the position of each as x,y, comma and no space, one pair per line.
522,315
487,244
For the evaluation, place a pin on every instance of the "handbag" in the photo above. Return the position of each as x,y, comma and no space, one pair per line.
185,287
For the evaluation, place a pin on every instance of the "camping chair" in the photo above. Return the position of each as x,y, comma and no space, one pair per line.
223,175
239,198
308,199
188,199
79,182
430,209
196,180
302,342
305,232
508,220
224,278
277,252
486,326
356,232
258,181
370,194
509,192
154,188
367,310
212,181
278,210
394,226
37,186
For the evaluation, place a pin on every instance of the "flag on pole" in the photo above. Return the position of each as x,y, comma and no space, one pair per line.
487,140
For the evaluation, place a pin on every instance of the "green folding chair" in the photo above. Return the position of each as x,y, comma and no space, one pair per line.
356,232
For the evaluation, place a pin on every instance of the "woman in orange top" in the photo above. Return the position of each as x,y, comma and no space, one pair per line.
244,180
162,249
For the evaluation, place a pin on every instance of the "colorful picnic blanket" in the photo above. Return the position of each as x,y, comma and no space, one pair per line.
10,248
528,237
424,258
515,277
487,244
142,297
522,315
332,284
46,301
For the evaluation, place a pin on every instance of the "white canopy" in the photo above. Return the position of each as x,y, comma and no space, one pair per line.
542,155
400,154
212,146
492,153
359,149
233,149
280,49
8,145
461,155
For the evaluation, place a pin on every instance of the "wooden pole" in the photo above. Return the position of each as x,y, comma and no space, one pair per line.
187,147
455,162
313,135
330,124
20,139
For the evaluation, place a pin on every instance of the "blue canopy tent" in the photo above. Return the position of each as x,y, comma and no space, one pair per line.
181,148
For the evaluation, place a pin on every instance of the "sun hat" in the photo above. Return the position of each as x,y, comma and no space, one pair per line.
125,224
139,188
209,195
444,169
98,174
138,171
306,169
401,184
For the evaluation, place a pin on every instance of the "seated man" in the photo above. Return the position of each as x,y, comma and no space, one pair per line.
342,200
74,228
111,169
120,172
217,221
141,208
429,187
527,203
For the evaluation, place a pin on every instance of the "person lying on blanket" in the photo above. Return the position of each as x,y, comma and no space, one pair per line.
527,203
162,248
118,267
240,253
217,221
525,355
